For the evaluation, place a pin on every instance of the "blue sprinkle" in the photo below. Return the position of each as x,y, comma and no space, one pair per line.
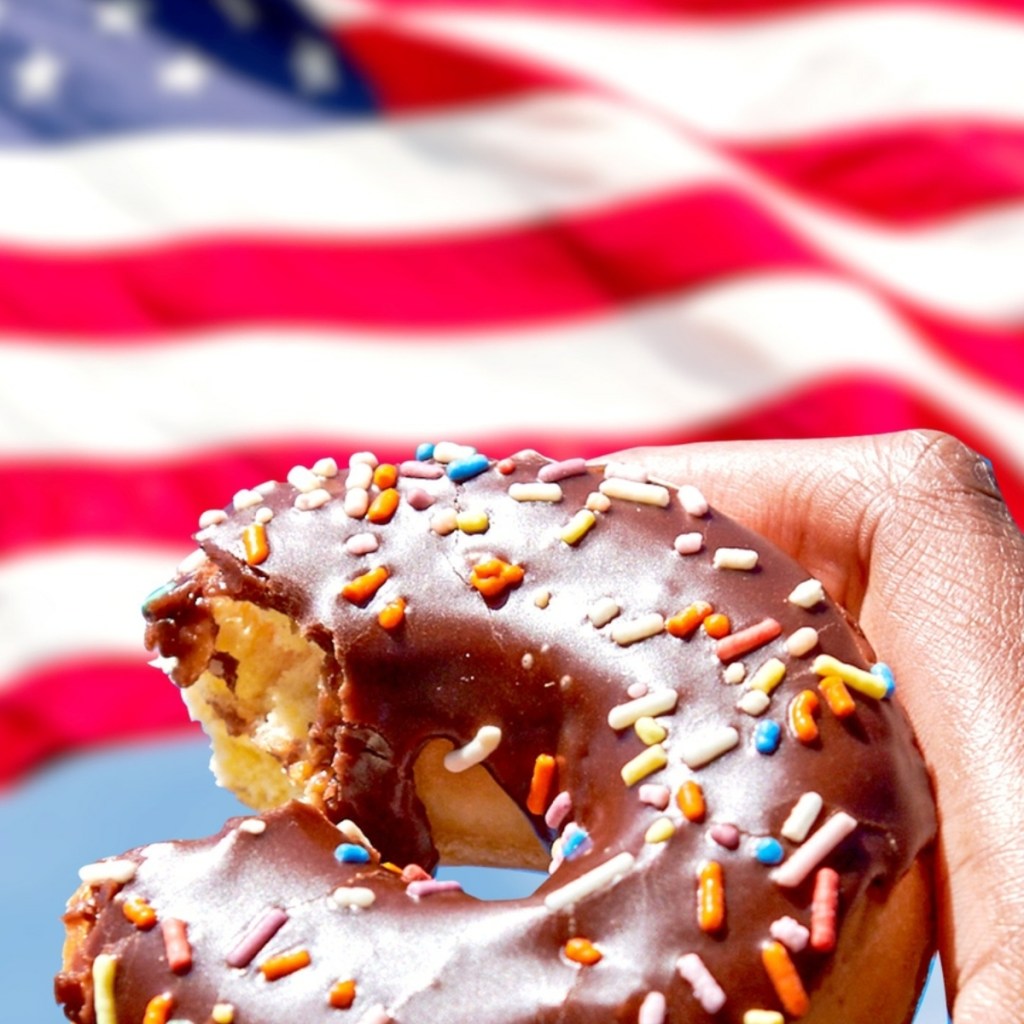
767,736
574,843
884,673
466,469
160,591
769,851
352,853
424,451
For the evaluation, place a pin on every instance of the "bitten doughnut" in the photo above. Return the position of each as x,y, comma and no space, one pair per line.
516,662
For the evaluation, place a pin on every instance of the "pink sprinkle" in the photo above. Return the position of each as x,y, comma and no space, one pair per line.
790,933
431,887
554,471
726,835
688,543
176,945
419,499
654,795
257,937
414,873
743,641
362,544
824,905
421,470
793,871
559,810
652,1009
706,990
636,690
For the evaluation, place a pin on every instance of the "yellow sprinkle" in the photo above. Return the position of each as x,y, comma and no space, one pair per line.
578,526
763,1017
861,681
649,730
768,676
472,522
661,831
647,761
103,970
223,1013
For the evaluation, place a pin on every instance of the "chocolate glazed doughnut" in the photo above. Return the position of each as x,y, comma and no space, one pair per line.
516,662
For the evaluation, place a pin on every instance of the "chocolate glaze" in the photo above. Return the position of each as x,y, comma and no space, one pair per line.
547,677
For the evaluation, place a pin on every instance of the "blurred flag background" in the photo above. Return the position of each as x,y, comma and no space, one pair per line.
237,235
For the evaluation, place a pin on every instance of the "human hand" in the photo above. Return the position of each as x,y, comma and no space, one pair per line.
909,532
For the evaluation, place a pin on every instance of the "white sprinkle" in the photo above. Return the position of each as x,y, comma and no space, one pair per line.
191,562
820,845
537,491
693,501
654,795
652,1009
636,689
602,877
166,665
660,702
362,543
735,672
597,502
626,471
444,521
325,467
253,826
602,611
367,458
357,501
804,814
559,810
309,500
119,871
449,451
527,661
790,933
754,702
212,517
303,479
705,745
632,490
246,499
359,478
478,749
354,834
706,990
542,598
688,543
263,515
353,896
375,1015
629,631
807,594
267,487
803,641
743,559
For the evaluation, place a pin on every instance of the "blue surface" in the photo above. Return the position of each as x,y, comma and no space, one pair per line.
96,806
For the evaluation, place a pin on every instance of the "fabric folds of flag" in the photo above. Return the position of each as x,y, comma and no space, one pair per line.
241,234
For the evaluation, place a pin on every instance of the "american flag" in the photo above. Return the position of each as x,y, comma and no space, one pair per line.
237,235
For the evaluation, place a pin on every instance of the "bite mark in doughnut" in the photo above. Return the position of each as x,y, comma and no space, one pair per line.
487,662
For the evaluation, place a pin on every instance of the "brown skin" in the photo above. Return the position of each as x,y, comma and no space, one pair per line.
910,533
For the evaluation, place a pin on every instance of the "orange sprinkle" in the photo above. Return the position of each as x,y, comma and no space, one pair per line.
284,964
506,466
391,866
540,784
383,506
362,588
342,995
686,621
494,576
582,951
385,475
392,615
788,986
254,540
717,625
837,696
691,800
801,716
710,896
139,912
158,1009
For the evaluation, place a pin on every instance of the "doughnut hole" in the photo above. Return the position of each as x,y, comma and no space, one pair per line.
257,701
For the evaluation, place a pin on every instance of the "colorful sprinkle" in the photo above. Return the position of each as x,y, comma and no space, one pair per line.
424,451
494,576
460,470
741,559
342,994
352,853
139,912
560,809
802,817
176,945
629,631
691,801
362,588
819,846
444,521
802,642
158,1009
652,1009
688,543
535,490
824,907
767,736
383,506
838,698
659,702
541,781
717,625
649,731
104,969
692,500
392,615
861,681
506,466
802,709
431,887
706,990
254,541
654,795
602,877
598,502
726,835
785,979
414,469
575,842
754,702
356,502
768,850
883,672
375,1015
362,544
648,761
283,964
577,527
261,932
385,476
414,873
419,499
554,471
474,521
745,640
582,951
635,491
710,896
707,744
807,594
660,831
763,1017
353,896
478,749
790,933
767,676
602,611
685,622
222,1013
